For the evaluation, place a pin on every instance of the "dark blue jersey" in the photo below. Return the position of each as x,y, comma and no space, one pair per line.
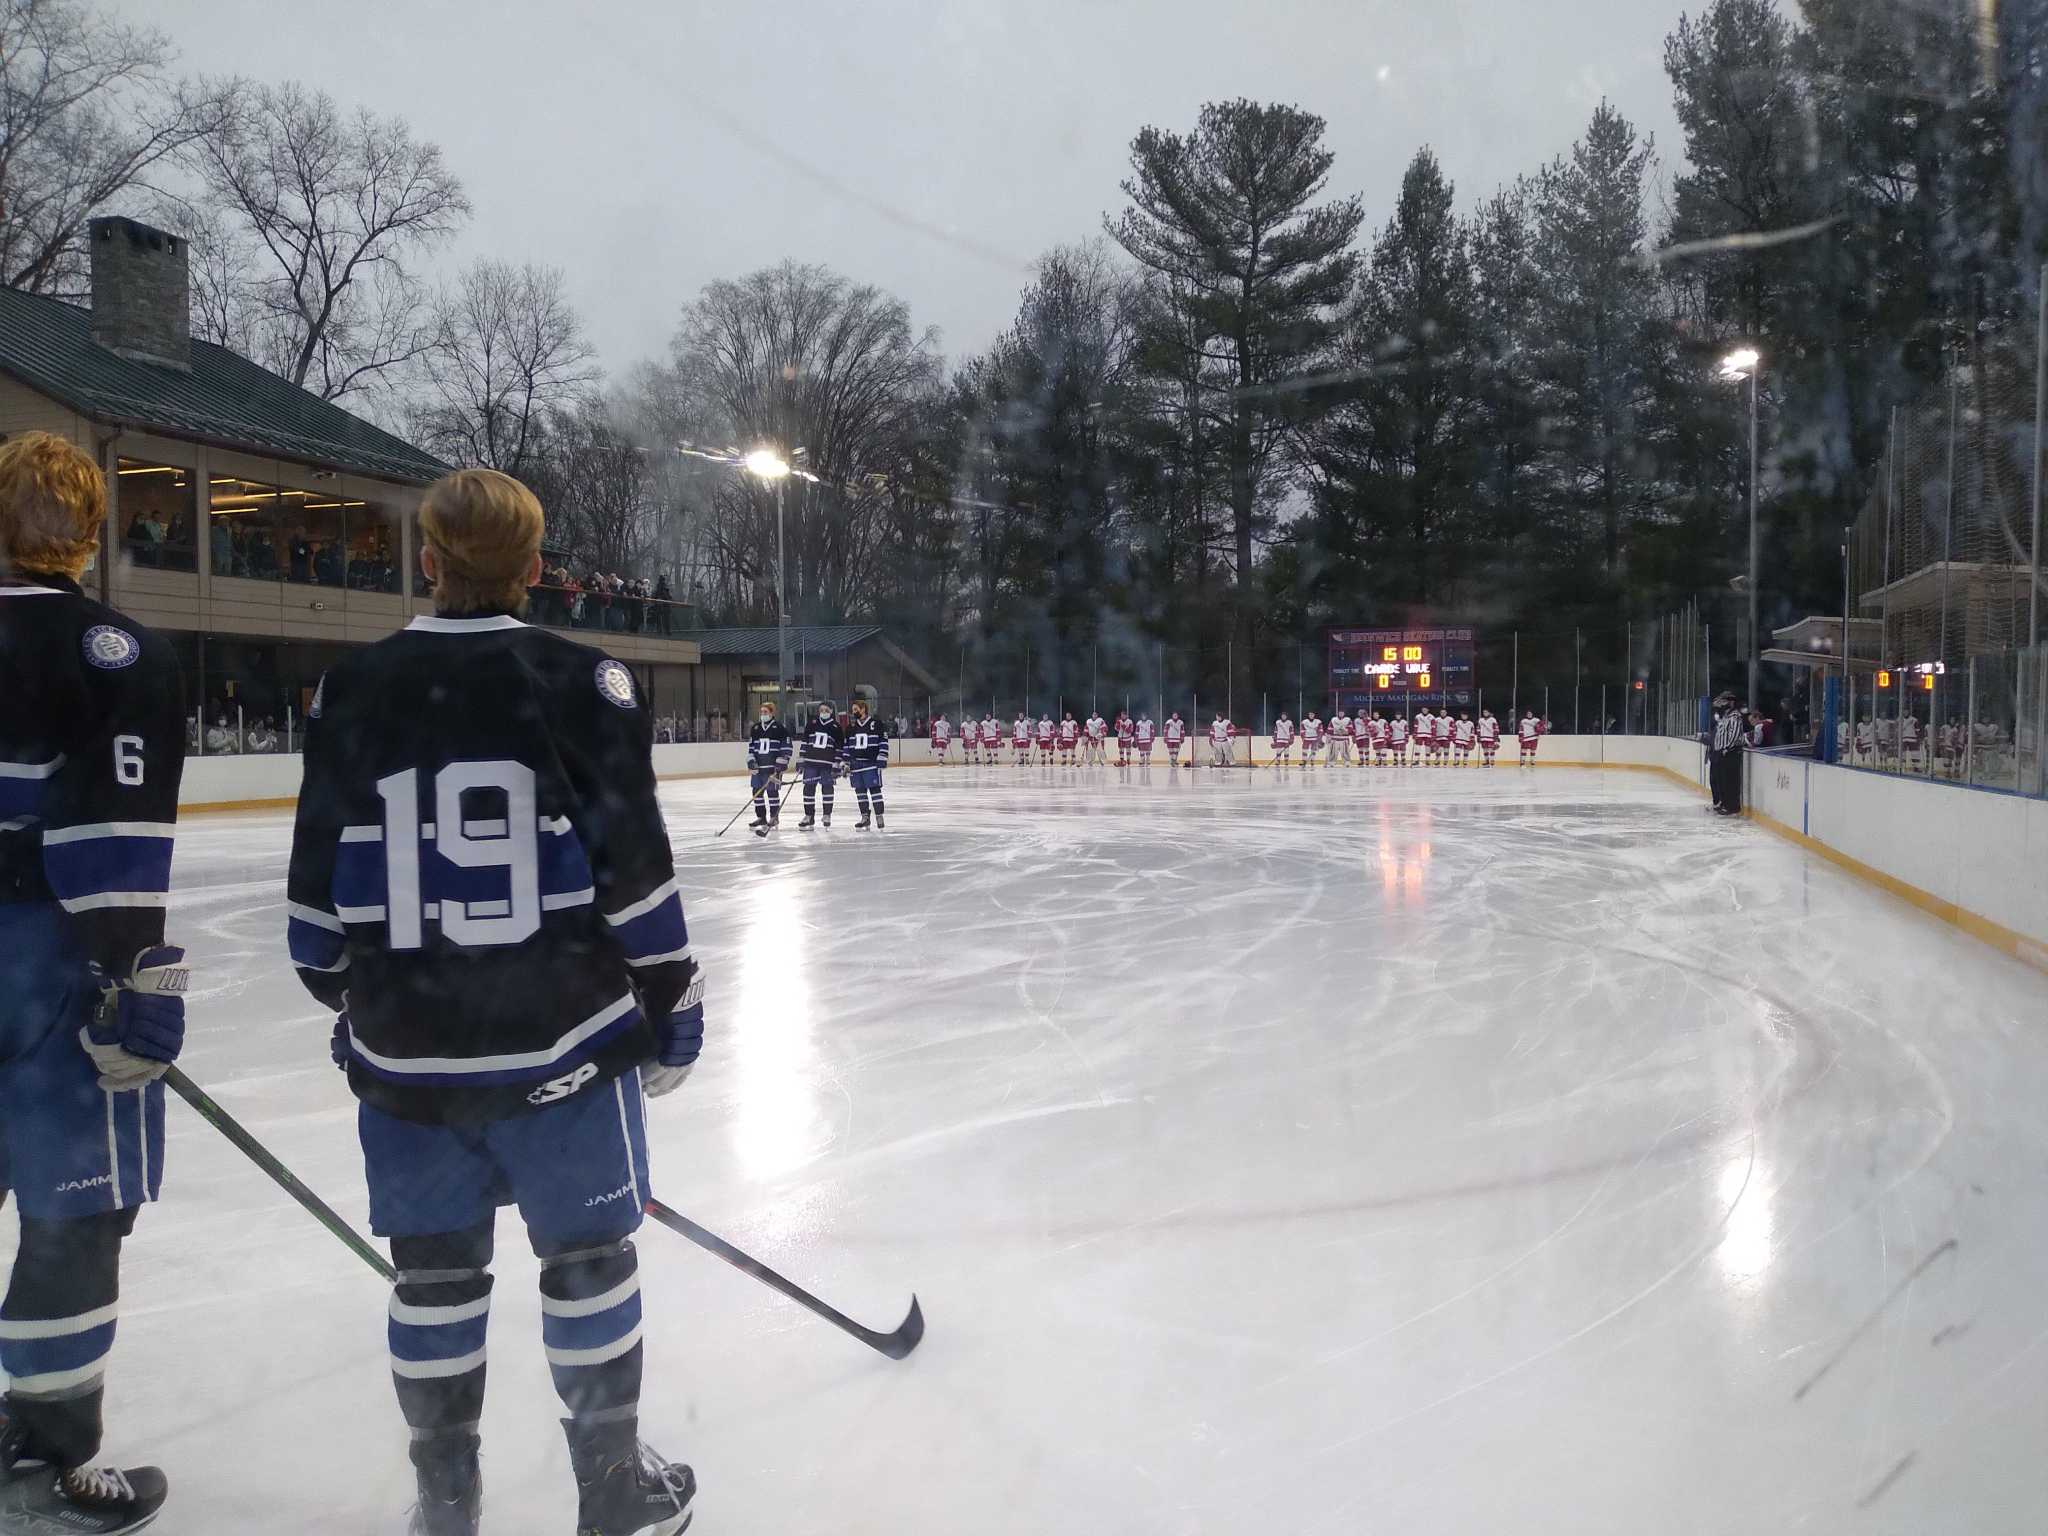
768,747
92,748
481,871
824,742
867,743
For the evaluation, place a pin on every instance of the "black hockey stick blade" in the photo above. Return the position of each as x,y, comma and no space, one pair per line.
260,1155
896,1344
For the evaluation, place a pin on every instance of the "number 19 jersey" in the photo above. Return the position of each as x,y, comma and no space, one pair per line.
480,872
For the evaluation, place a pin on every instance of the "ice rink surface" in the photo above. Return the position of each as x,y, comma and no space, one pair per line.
1436,1152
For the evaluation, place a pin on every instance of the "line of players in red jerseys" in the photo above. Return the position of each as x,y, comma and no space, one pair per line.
1430,739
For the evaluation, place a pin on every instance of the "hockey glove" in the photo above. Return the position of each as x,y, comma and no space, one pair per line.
682,1037
139,1027
337,1043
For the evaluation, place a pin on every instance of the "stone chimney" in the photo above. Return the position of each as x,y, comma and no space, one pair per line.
141,293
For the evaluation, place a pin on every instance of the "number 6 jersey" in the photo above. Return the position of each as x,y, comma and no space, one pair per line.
480,873
92,746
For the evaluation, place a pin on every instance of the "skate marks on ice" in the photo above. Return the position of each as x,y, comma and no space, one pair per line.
1454,1153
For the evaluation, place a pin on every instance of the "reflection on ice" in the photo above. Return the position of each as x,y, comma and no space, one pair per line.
765,1022
1745,1249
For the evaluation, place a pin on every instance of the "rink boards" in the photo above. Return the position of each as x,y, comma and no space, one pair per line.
1974,858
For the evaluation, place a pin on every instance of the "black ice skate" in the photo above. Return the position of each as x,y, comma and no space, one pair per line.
622,1487
878,818
451,1486
760,829
99,1501
862,824
807,823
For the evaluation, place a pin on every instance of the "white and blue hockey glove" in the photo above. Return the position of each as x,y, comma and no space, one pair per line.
681,1039
139,1026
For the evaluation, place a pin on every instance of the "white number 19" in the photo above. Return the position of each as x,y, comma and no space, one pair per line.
512,845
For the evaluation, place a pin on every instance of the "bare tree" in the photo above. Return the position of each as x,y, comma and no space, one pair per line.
597,483
798,356
87,111
334,206
508,346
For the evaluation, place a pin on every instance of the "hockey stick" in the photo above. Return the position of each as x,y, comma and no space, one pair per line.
895,1345
753,795
255,1151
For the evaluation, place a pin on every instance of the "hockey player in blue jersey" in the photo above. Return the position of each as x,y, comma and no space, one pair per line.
823,753
92,746
867,754
481,888
767,756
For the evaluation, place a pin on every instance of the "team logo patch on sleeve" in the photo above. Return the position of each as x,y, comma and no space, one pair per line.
616,684
110,649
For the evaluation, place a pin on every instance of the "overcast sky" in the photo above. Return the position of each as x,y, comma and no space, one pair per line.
934,147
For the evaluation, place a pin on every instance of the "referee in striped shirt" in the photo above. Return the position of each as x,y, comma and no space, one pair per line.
1724,757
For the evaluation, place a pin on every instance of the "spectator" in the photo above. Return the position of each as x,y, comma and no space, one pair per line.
664,599
263,736
221,737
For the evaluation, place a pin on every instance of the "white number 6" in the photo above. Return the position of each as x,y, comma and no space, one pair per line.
128,760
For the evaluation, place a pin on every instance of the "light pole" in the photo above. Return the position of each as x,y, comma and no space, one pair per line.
1747,361
771,468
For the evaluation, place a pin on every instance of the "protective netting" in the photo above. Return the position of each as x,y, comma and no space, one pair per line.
1944,544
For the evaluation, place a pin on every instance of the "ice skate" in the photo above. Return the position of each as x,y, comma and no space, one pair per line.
807,823
862,824
878,818
622,1487
451,1487
99,1501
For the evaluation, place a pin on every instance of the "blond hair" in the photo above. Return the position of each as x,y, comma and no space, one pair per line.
484,528
53,499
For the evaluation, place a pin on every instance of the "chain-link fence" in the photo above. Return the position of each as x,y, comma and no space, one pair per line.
1944,552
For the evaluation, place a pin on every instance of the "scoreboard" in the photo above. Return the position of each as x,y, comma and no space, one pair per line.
1401,669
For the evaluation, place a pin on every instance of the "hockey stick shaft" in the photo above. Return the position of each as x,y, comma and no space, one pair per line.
895,1345
752,796
258,1154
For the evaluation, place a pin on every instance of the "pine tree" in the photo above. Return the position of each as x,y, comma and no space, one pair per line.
1229,217
1602,334
1401,449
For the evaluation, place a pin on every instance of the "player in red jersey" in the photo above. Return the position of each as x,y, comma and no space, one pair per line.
1020,740
1377,734
1464,736
1126,733
942,736
1175,732
1283,741
1142,735
970,739
1311,739
1489,736
1528,730
1446,736
1045,739
1070,738
1397,740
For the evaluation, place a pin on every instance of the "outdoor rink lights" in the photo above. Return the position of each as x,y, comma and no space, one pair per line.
1740,364
766,464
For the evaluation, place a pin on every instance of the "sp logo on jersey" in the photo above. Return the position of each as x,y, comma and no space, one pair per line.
110,649
555,1089
616,684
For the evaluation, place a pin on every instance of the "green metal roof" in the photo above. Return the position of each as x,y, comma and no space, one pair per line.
823,639
226,400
